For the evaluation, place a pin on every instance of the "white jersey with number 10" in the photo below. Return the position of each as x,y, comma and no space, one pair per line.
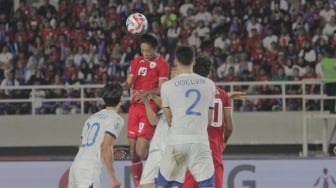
104,121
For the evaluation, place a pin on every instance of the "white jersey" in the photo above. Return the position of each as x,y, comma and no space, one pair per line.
159,140
104,121
189,98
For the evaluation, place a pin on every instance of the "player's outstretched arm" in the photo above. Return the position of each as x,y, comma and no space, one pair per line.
107,153
237,95
317,181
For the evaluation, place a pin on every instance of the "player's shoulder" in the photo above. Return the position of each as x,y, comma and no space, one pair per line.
160,59
138,59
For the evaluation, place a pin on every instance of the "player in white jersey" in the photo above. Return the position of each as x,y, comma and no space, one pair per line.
158,142
97,140
187,103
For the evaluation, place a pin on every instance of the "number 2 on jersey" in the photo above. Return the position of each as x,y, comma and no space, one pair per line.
90,134
188,94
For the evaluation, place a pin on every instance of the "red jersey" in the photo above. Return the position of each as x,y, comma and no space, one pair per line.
216,130
147,74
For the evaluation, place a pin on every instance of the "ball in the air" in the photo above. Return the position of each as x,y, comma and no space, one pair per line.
137,24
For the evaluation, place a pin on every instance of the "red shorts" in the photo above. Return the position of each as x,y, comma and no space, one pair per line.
138,125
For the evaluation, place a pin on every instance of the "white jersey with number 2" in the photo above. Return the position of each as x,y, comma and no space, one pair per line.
189,98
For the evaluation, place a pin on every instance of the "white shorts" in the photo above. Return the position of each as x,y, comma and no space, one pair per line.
151,169
177,159
83,178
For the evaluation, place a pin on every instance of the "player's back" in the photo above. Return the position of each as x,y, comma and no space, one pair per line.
104,121
189,97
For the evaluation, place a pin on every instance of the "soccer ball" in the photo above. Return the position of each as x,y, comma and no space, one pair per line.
137,24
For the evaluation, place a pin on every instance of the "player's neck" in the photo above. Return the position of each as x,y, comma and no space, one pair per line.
116,108
185,70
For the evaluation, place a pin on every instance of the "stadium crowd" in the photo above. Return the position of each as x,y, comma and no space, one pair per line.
86,42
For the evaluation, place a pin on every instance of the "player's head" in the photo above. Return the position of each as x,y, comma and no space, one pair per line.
184,55
202,66
148,45
111,94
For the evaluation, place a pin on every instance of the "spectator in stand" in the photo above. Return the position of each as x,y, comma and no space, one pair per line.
173,34
280,76
204,15
184,8
139,6
236,44
165,54
330,27
6,61
322,47
80,56
124,9
223,68
194,40
308,54
327,13
258,55
318,35
230,76
168,18
253,27
252,41
288,67
244,64
70,69
269,39
9,80
222,42
46,7
310,88
186,31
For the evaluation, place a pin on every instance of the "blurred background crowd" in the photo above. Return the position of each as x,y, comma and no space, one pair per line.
73,42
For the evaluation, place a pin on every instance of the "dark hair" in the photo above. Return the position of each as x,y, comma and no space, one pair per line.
111,94
184,55
202,66
149,39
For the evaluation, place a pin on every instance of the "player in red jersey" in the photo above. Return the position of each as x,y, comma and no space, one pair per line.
147,73
221,128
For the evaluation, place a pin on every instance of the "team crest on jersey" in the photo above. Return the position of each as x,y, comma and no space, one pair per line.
142,71
152,64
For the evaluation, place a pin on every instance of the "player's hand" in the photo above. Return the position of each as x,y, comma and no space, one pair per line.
144,96
120,152
237,95
115,182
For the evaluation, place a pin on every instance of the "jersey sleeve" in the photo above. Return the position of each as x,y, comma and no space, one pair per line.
164,70
115,127
164,95
226,99
213,94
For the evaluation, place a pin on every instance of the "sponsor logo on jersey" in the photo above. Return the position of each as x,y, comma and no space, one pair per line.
152,64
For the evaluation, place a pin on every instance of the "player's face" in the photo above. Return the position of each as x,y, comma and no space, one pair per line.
148,51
